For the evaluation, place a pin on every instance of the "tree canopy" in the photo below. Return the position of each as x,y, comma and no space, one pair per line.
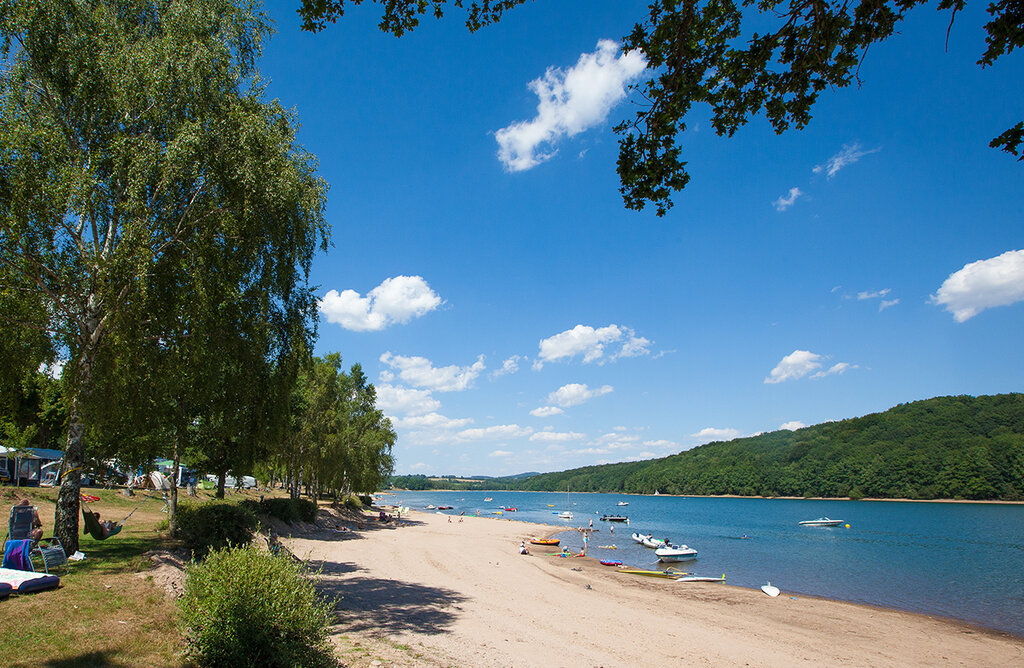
138,159
706,51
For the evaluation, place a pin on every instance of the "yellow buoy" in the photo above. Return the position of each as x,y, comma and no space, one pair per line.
847,526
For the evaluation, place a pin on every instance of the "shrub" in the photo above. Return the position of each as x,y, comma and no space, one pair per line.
353,502
211,526
245,607
366,500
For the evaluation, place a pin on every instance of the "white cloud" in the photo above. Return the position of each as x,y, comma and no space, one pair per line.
396,300
419,371
430,421
886,303
569,102
511,365
997,281
392,399
713,434
796,365
546,411
850,154
497,431
861,296
575,394
418,466
556,436
835,369
792,425
591,343
662,444
500,453
787,201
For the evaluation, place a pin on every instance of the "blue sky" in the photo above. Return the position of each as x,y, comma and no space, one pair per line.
526,321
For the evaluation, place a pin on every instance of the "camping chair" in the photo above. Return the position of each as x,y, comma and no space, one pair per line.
49,550
22,522
95,529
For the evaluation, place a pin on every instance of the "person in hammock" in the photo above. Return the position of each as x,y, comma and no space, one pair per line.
105,525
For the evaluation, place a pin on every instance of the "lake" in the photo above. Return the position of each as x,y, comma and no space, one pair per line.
958,560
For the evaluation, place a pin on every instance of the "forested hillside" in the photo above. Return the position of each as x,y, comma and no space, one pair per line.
949,447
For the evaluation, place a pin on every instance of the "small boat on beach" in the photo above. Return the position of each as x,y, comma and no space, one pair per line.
699,578
614,518
770,589
668,573
544,541
610,562
672,553
821,522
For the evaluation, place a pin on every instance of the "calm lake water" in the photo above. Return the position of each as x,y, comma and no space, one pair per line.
964,561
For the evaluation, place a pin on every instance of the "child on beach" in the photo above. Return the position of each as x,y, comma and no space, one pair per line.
522,547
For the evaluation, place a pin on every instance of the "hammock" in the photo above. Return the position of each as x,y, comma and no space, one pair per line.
95,529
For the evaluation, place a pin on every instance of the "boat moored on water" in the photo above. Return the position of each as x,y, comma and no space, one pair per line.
614,518
623,503
673,553
648,540
565,515
821,522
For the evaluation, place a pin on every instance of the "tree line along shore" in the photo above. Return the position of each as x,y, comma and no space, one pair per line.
955,448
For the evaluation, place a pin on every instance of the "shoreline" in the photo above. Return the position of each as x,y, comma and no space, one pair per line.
458,593
716,496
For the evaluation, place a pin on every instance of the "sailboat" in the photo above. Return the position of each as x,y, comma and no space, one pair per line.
566,514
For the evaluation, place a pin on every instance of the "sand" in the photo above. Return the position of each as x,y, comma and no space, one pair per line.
438,593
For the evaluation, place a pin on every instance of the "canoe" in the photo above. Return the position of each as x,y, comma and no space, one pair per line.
669,573
544,541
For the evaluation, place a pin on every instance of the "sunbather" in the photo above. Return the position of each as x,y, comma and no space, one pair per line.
106,525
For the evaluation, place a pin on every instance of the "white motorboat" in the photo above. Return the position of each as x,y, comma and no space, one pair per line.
565,515
821,522
623,503
671,553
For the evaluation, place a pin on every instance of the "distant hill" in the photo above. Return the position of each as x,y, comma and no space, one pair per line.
958,447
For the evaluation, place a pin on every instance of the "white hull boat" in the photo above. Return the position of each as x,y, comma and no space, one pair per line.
821,522
565,515
673,553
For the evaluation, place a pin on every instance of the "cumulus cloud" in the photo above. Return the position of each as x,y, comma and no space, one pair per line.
500,453
850,154
396,300
591,343
575,394
715,434
419,371
430,421
391,400
997,281
509,366
569,102
792,425
800,363
556,436
886,303
546,411
787,201
497,431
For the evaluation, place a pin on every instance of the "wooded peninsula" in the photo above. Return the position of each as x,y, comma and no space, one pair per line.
959,447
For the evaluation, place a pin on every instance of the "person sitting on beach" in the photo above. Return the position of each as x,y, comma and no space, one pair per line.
522,548
565,551
36,534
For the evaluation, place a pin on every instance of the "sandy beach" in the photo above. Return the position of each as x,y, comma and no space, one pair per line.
434,592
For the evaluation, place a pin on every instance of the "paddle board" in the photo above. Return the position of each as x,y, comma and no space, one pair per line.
653,574
770,589
699,578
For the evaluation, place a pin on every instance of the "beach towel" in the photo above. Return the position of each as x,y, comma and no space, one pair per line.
16,555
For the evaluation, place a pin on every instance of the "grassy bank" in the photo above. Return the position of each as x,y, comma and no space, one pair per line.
106,611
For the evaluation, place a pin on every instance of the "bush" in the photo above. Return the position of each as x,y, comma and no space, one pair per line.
245,607
354,502
286,510
366,500
212,526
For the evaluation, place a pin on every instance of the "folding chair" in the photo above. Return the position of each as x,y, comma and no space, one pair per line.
49,550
